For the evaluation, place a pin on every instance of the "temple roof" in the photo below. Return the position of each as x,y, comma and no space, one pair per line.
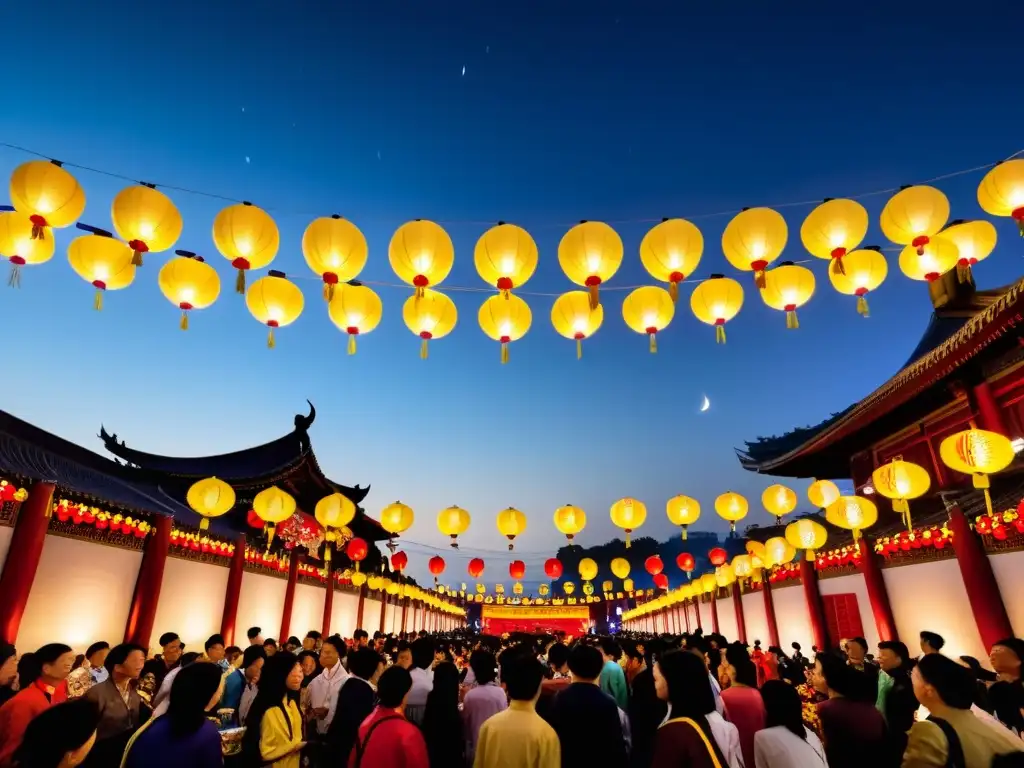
964,323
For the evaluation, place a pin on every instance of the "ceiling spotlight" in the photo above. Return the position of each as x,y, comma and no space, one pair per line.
868,490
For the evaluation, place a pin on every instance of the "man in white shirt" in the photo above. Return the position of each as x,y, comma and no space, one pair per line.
422,679
323,689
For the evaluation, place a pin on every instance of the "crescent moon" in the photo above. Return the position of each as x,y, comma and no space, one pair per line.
705,405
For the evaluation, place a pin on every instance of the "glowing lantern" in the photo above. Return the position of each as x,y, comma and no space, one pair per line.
821,493
716,301
274,301
854,513
436,567
18,247
974,241
211,497
627,585
628,514
708,583
833,229
661,581
724,575
778,551
901,481
1001,192
607,585
396,518
47,194
553,568
354,309
753,239
671,251
103,262
589,254
778,500
570,520
431,315
505,319
806,534
189,283
517,569
742,567
588,569
421,254
399,561
732,507
335,249
787,288
648,310
568,587
146,219
866,269
653,565
475,567
682,511
979,453
914,215
620,567
273,506
574,318
452,522
930,261
756,550
686,563
333,512
357,578
247,237
511,523
717,556
356,550
505,257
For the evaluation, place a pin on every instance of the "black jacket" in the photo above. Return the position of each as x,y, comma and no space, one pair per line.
356,700
646,711
586,720
900,706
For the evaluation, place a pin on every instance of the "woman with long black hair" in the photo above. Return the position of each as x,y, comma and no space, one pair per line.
442,723
785,742
273,735
60,737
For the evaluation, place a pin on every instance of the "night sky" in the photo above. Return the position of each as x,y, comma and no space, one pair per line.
467,113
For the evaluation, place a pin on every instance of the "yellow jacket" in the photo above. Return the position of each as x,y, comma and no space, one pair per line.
280,738
928,747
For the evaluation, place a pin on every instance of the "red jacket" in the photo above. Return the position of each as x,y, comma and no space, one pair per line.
15,716
394,743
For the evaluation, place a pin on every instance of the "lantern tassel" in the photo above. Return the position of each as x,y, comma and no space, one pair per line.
270,536
327,554
963,273
627,537
759,279
579,349
673,291
38,232
684,533
840,267
271,343
504,352
240,282
595,299
136,258
14,279
653,346
792,322
204,524
97,302
330,291
423,350
184,321
862,306
351,343
720,334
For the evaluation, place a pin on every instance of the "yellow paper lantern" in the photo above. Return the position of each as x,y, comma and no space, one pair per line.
333,512
930,261
854,513
453,522
18,246
864,270
682,511
511,523
974,241
834,229
978,453
103,262
756,550
787,288
807,535
431,315
273,506
627,585
1001,192
716,301
607,586
709,583
421,254
648,310
47,194
753,239
778,551
356,310
570,520
396,518
358,579
590,254
146,219
274,301
505,257
188,283
628,514
742,566
568,587
246,236
336,250
724,575
588,569
620,567
210,497
732,507
821,493
901,481
671,251
914,215
505,319
778,500
573,317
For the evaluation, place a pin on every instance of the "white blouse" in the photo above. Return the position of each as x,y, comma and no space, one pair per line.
778,747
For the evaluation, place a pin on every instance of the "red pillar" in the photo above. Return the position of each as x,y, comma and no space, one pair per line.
328,603
714,611
686,615
696,610
737,604
359,606
769,612
990,416
878,595
289,598
383,609
139,627
405,612
23,558
232,591
809,578
982,589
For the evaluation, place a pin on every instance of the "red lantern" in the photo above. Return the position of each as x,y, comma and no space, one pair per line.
718,556
553,568
253,519
654,566
357,550
399,561
660,580
517,569
476,567
436,565
686,562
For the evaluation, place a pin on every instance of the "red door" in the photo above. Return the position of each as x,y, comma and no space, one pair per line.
842,616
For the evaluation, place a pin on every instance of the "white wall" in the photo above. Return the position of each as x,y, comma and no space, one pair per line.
854,583
932,596
81,594
307,610
392,615
343,613
260,604
1008,568
5,542
371,615
705,617
191,602
691,611
727,624
792,618
756,619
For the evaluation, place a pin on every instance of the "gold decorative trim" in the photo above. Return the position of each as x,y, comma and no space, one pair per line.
9,513
264,571
95,536
917,557
208,558
834,572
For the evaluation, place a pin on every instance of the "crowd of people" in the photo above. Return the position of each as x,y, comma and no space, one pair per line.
455,700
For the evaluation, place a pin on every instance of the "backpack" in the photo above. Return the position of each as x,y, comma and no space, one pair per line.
956,759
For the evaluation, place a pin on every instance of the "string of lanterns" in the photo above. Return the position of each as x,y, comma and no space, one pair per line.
46,196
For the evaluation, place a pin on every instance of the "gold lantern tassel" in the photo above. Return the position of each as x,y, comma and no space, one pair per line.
184,321
423,350
38,231
204,524
271,343
791,319
351,343
579,349
595,299
862,306
504,352
270,536
14,279
981,483
720,334
759,278
628,531
329,291
653,346
673,291
419,294
963,272
136,258
327,554
684,533
902,508
240,282
97,302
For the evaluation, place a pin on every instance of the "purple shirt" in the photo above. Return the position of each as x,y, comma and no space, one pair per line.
155,747
478,705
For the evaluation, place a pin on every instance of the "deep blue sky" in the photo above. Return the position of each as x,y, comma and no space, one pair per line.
592,110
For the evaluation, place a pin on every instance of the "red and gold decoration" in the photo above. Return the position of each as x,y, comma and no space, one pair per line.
95,517
200,543
18,246
1001,525
978,453
334,512
935,537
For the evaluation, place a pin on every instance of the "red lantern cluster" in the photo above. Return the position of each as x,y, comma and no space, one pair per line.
260,557
654,566
11,492
686,562
311,572
661,581
201,543
517,569
436,565
936,537
357,550
1001,525
475,567
718,556
100,519
785,573
399,561
253,520
553,568
836,558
